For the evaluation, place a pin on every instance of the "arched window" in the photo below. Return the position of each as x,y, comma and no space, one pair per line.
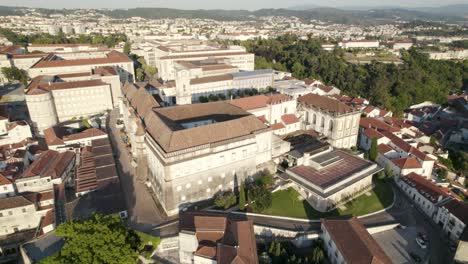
330,126
314,119
323,122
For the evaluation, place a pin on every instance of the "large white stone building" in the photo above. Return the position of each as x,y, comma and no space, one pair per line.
331,118
359,44
79,62
166,56
53,99
194,151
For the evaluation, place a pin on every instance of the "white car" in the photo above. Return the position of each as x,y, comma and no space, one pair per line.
421,243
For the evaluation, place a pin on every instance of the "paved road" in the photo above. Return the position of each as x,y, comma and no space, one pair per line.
143,212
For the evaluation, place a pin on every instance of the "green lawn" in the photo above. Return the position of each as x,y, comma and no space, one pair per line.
286,203
147,239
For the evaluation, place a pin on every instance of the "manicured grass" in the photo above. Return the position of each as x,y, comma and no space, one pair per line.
381,197
147,239
286,203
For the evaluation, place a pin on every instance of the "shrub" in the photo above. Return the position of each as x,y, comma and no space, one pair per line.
203,99
260,198
265,180
225,200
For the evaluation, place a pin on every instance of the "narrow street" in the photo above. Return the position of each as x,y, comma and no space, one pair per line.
142,210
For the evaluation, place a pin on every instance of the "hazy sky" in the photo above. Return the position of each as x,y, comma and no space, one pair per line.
222,4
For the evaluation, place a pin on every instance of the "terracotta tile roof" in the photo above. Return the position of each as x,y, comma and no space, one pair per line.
353,241
277,126
310,81
407,163
370,122
14,202
106,71
427,187
459,209
111,57
384,148
278,98
41,88
325,88
220,239
50,163
231,122
372,133
251,102
325,103
73,75
4,180
289,119
210,79
263,119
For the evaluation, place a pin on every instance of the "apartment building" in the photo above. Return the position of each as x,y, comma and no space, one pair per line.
61,138
331,118
50,168
205,238
348,241
13,132
51,100
424,193
452,216
79,62
24,211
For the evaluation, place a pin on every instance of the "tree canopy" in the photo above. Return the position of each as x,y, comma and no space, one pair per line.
394,87
98,239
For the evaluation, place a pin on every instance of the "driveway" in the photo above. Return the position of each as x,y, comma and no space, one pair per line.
142,209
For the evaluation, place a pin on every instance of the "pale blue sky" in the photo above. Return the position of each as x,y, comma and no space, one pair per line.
221,4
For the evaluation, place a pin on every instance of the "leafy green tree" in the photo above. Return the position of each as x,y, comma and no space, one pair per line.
265,180
15,74
373,150
225,200
259,197
98,239
140,74
127,47
318,255
203,99
241,197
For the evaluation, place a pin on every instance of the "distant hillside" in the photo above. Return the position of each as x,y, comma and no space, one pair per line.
332,15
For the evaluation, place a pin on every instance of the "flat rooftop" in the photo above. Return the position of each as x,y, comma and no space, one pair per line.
343,166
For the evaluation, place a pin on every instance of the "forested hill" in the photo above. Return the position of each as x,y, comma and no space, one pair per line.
334,15
394,87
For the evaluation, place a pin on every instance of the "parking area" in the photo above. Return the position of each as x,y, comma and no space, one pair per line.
400,245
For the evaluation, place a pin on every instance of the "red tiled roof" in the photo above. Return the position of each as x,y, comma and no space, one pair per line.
384,148
111,57
289,119
251,102
370,122
459,209
277,126
278,98
324,103
407,163
372,133
354,242
422,184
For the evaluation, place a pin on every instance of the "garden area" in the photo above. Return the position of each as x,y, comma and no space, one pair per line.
287,203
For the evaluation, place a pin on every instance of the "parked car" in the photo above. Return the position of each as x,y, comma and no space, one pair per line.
415,257
423,236
421,243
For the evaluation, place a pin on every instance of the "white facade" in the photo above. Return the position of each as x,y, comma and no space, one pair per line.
341,130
